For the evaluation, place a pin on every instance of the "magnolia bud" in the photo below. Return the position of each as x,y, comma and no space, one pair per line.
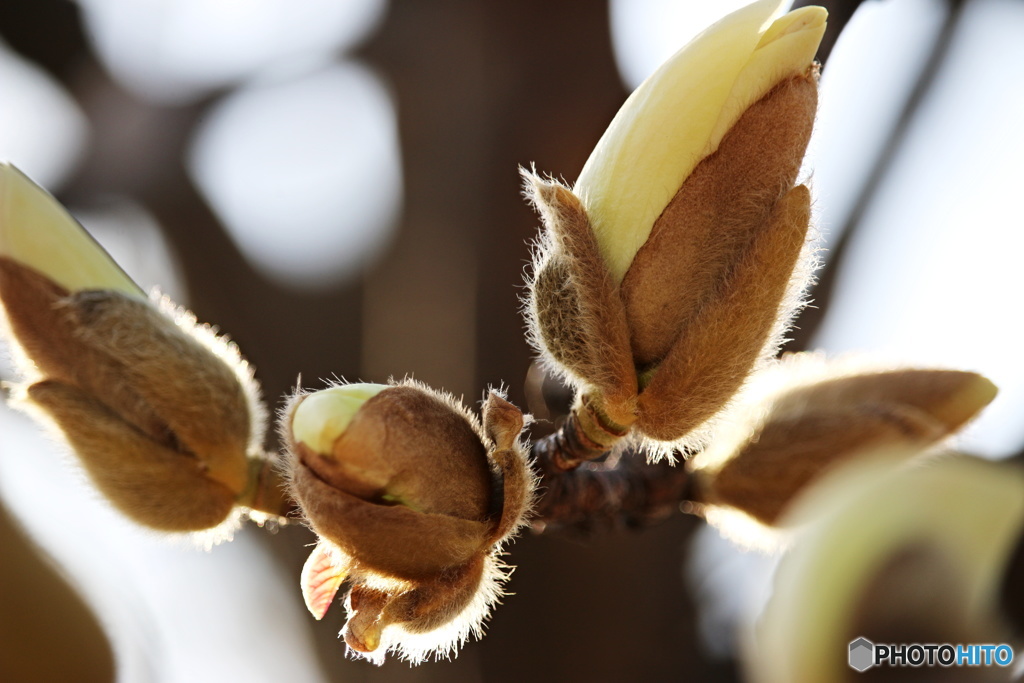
162,413
807,415
411,498
915,555
681,114
672,269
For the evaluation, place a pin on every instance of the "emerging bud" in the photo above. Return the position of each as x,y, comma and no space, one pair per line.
807,415
412,499
673,268
324,416
909,556
162,413
680,115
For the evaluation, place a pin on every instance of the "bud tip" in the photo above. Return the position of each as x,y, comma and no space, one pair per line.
36,231
321,417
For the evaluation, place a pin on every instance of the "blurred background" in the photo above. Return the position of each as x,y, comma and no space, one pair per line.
334,184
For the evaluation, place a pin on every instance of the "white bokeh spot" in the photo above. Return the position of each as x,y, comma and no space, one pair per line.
305,173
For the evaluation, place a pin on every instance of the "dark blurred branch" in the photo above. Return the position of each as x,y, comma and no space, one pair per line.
620,492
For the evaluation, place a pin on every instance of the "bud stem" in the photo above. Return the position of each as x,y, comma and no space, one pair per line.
624,491
588,434
266,491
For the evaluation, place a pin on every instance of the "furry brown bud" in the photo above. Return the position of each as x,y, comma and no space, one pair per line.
707,297
163,414
412,498
808,415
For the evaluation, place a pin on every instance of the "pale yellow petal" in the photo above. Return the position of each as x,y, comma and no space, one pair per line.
36,231
321,417
662,132
787,48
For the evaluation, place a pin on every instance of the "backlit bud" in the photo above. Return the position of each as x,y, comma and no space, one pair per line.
915,555
163,414
672,269
807,415
412,498
681,113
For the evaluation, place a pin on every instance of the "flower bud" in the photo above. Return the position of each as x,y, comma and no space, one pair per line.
411,497
161,412
807,415
909,556
680,115
672,269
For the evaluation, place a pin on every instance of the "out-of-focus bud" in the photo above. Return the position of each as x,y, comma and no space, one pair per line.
163,414
412,498
915,555
806,415
673,267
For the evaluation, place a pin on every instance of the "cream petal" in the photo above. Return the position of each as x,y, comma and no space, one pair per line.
321,417
36,231
786,48
663,131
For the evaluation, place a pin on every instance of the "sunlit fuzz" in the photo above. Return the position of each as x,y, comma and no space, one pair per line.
672,269
915,555
163,414
808,414
412,498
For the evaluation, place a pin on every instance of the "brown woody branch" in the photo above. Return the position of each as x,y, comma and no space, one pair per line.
621,491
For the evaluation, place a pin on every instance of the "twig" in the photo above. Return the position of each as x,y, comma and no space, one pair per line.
619,492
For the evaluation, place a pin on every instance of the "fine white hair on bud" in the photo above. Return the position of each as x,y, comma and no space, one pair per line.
807,414
671,271
163,413
412,497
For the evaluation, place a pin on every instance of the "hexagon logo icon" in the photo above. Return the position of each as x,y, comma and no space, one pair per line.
862,654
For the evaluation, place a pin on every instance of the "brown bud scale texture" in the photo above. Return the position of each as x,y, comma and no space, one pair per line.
585,297
715,217
708,298
164,392
154,485
731,334
786,440
412,505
